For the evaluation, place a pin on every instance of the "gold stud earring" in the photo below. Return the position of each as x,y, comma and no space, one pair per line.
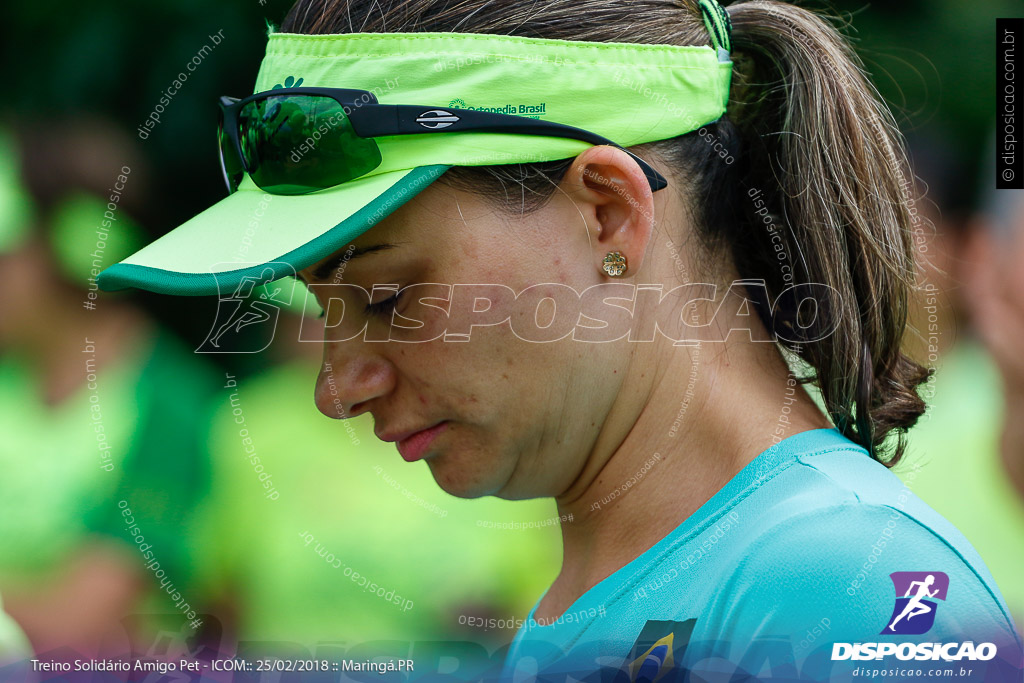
615,264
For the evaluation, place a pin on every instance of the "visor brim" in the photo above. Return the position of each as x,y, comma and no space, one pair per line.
257,237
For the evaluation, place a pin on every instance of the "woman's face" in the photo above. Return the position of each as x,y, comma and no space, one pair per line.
517,418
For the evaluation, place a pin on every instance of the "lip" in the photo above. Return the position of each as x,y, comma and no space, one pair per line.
413,445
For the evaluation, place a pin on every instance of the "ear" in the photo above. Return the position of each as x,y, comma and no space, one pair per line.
613,194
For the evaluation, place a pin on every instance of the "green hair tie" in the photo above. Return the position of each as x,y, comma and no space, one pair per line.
718,23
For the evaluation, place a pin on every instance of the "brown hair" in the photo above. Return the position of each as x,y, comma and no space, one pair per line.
810,138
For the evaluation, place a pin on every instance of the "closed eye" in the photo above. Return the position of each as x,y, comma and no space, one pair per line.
383,308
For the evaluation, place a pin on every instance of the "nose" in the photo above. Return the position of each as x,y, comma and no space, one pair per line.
346,386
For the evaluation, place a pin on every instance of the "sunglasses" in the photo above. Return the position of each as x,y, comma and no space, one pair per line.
294,141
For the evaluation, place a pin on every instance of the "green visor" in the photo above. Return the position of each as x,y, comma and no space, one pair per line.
289,212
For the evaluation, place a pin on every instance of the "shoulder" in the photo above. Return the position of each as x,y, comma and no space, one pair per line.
827,550
13,644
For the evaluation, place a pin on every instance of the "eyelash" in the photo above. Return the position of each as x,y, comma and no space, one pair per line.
385,307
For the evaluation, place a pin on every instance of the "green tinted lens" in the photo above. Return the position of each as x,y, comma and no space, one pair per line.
294,144
230,164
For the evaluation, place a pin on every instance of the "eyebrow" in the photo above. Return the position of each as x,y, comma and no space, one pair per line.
327,267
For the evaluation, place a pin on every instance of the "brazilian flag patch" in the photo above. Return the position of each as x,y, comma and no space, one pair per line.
658,648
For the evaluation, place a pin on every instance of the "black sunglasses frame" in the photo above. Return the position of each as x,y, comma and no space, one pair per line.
370,119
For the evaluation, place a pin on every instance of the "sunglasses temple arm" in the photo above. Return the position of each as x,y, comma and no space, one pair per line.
382,120
654,179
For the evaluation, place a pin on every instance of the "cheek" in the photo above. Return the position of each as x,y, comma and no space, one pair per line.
468,357
523,254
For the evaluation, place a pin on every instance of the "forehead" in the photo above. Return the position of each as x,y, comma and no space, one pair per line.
440,225
415,223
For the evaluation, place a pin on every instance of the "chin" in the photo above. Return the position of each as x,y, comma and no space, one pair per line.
464,474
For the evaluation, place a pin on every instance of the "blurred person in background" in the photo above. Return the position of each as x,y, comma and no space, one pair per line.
966,454
994,287
15,216
102,414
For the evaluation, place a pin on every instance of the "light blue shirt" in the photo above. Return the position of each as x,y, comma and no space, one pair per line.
790,558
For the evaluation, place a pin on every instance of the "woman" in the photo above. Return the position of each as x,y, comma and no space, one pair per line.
719,521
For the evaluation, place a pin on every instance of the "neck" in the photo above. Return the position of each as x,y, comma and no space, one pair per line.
707,413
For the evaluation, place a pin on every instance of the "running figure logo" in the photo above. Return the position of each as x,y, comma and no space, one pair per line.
251,307
916,593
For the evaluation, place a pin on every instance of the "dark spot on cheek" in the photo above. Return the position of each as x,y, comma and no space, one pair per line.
423,399
504,376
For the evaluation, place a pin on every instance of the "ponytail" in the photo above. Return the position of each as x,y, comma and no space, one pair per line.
822,155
